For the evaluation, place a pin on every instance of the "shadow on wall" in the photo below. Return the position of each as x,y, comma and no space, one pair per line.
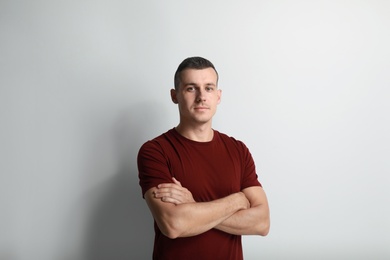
120,225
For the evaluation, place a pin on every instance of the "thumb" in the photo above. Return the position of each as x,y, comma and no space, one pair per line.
176,181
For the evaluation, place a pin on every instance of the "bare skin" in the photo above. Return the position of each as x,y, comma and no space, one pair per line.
191,219
252,221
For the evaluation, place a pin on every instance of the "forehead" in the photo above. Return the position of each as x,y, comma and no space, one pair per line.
199,76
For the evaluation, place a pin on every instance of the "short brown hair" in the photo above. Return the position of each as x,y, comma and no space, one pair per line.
197,63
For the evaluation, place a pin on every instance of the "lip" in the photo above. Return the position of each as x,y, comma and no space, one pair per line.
201,108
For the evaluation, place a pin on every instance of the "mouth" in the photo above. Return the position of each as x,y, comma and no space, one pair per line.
201,108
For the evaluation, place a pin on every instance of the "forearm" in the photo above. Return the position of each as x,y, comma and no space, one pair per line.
190,219
252,221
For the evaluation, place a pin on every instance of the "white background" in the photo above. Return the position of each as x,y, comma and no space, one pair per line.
85,83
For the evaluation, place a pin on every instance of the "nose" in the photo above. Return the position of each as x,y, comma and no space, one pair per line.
200,95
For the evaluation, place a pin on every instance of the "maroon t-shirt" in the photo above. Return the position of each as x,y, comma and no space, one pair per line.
210,170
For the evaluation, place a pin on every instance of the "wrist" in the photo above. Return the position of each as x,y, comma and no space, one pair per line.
243,201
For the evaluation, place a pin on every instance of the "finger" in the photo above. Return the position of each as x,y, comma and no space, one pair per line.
172,197
169,192
170,200
168,185
169,189
176,181
166,194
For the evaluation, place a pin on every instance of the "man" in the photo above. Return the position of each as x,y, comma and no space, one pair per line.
200,185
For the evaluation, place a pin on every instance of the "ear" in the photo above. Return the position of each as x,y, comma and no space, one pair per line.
173,96
219,95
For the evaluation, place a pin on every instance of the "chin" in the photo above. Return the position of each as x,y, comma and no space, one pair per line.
203,121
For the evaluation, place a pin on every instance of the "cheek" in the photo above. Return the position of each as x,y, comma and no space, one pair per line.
188,101
217,99
184,105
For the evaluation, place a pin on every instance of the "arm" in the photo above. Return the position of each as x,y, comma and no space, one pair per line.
192,218
254,220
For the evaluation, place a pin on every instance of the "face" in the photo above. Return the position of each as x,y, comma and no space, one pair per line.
197,96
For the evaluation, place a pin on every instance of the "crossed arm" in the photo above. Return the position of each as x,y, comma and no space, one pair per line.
178,215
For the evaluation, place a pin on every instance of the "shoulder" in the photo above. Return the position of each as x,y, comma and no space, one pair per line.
157,144
159,140
230,140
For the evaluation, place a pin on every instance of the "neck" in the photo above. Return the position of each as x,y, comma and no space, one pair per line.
198,134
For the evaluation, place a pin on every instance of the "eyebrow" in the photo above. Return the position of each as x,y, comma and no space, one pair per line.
189,84
194,84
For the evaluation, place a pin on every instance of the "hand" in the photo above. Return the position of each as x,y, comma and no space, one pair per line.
246,201
173,193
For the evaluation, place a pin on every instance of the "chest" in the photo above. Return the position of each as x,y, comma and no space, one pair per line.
209,172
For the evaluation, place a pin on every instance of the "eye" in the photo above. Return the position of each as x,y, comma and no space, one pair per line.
190,89
209,89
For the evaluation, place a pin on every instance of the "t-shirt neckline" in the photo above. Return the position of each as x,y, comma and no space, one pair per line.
176,133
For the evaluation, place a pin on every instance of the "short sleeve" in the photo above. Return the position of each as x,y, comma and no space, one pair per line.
249,177
153,168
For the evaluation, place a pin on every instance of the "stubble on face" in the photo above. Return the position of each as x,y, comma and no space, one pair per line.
198,95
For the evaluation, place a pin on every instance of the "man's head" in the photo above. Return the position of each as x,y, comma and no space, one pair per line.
197,63
196,91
